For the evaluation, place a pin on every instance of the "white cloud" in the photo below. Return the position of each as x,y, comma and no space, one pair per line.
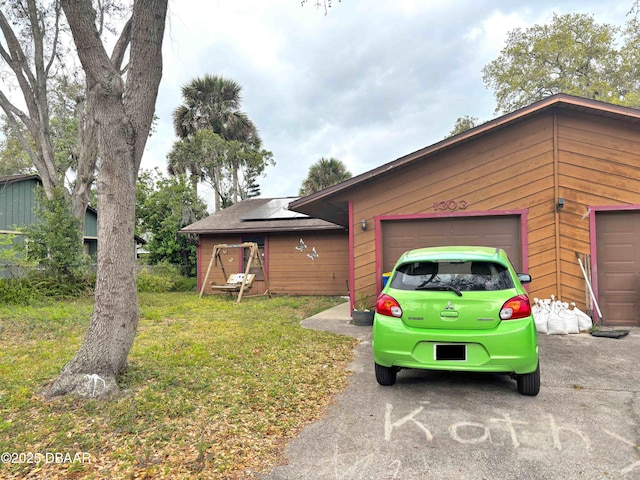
367,83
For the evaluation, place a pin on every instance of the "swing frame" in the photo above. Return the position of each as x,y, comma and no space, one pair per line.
234,282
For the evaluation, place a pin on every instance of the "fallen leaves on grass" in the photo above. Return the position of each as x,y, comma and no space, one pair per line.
214,390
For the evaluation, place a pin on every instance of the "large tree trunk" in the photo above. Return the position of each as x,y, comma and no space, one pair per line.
123,116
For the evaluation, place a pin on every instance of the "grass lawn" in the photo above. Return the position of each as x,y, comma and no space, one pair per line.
214,389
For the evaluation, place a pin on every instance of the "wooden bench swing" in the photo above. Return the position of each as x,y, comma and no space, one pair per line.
236,282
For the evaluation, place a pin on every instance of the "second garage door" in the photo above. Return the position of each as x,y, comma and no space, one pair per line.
502,231
618,257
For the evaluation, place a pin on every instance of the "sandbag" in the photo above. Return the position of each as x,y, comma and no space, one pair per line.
556,324
569,318
584,321
540,316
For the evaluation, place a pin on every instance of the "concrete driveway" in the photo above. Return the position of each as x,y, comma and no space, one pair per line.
584,424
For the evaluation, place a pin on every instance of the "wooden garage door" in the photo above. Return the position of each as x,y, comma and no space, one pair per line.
618,257
501,231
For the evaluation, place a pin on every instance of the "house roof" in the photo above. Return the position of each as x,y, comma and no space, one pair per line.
6,179
258,215
323,204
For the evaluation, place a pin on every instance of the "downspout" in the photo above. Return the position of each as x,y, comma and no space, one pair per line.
556,196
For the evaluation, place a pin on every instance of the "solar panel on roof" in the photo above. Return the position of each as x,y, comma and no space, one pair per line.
275,209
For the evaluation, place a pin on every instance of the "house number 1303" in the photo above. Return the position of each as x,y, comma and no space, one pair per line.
450,205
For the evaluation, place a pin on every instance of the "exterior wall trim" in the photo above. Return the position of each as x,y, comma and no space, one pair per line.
352,293
524,241
199,258
592,238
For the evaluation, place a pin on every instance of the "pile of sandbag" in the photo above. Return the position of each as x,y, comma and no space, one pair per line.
554,317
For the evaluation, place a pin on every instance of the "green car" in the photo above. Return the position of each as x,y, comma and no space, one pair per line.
457,309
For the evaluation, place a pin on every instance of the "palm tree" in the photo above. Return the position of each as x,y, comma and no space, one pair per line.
212,103
326,172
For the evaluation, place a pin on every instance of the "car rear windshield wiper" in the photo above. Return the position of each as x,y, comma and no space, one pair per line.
441,288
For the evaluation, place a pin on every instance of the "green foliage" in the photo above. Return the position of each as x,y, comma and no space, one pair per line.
17,291
153,283
218,143
35,288
630,65
54,241
12,256
463,124
325,173
64,122
573,55
164,206
229,166
25,283
164,278
14,159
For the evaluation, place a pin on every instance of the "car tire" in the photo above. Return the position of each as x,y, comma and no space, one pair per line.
529,383
386,375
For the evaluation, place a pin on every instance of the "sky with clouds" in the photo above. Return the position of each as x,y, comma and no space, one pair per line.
371,81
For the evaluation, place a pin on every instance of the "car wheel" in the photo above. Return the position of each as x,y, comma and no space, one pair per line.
386,375
529,383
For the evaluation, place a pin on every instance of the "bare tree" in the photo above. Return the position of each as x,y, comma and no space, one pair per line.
32,67
32,52
123,109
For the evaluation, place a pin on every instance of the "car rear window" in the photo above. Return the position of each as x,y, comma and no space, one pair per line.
463,276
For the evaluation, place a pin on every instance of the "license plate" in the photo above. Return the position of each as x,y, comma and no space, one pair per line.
451,352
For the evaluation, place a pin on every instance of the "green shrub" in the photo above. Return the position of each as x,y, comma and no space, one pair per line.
185,284
164,278
152,283
34,288
55,240
17,291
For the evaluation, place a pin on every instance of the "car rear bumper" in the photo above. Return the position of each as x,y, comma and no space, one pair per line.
511,347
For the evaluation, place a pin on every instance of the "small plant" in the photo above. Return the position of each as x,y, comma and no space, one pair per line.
363,302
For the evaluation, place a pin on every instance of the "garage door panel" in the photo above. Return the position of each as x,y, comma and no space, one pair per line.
620,311
617,253
618,258
619,283
398,236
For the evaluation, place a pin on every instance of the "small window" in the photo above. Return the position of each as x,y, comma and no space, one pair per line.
463,276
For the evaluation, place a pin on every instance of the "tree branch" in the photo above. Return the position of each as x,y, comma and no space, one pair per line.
117,57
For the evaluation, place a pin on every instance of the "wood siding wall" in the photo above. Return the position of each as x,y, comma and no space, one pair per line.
598,165
293,272
290,271
17,203
586,159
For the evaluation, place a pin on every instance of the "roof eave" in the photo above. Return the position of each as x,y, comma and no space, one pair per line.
213,231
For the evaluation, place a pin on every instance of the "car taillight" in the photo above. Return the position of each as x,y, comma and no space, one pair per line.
516,307
389,306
